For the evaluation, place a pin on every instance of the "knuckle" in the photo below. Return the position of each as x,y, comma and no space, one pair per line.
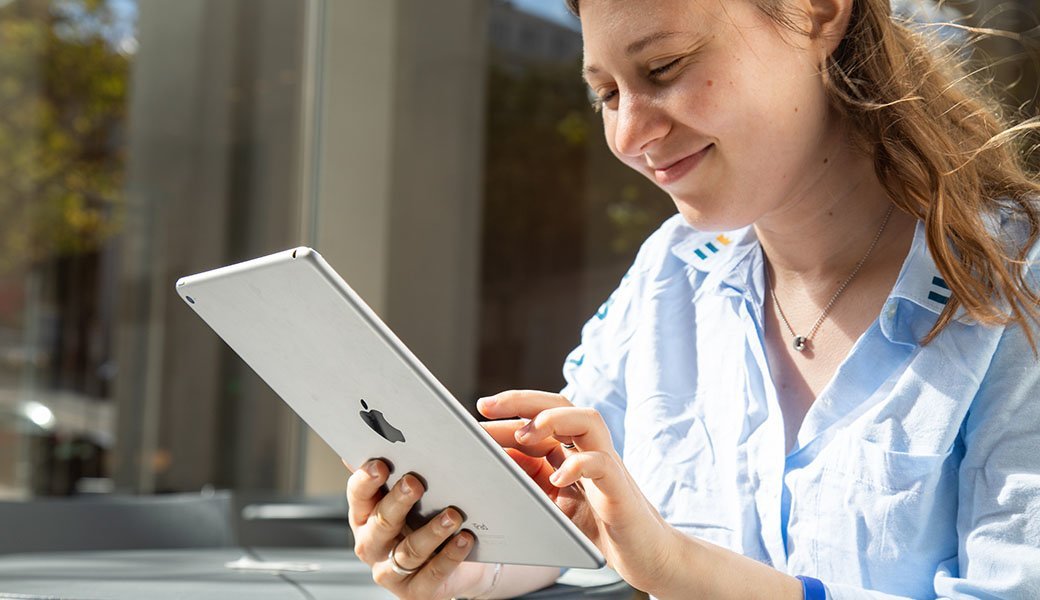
361,549
406,549
594,415
600,462
385,578
583,461
438,570
383,524
358,515
379,576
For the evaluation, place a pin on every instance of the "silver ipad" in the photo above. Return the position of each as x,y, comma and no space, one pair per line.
326,353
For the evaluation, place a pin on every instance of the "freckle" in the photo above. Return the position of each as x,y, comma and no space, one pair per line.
825,160
710,83
830,213
796,109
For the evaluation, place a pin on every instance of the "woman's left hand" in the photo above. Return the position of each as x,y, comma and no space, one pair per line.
588,482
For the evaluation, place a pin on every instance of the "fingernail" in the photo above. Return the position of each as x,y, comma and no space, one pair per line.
555,477
486,401
523,431
447,522
373,470
461,541
405,488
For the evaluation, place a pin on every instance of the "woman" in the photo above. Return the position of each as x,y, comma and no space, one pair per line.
822,367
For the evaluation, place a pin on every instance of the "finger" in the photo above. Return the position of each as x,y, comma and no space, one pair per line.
536,468
584,427
347,465
427,582
557,456
417,548
504,432
364,491
387,519
597,467
519,403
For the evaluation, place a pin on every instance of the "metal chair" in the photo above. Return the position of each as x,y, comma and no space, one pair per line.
117,523
293,521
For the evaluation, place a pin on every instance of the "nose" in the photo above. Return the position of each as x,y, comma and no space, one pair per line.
639,124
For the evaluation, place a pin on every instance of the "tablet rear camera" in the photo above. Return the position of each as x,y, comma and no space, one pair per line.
190,299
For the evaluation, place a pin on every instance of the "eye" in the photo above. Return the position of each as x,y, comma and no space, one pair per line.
663,69
599,99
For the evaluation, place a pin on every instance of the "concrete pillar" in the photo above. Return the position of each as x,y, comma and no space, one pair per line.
398,178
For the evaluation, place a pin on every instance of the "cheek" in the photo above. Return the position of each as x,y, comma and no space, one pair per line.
775,120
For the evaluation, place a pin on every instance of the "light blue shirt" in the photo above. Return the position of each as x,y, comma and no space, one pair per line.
916,472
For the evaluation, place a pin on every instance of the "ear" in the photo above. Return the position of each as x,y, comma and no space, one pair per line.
829,21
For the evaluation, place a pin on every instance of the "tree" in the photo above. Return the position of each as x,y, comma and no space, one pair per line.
63,92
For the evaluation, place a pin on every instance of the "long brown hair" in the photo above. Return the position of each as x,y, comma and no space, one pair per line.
945,153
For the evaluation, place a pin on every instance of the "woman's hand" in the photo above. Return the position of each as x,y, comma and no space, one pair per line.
377,518
588,482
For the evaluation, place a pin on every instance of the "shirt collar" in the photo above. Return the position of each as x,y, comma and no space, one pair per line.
709,252
731,263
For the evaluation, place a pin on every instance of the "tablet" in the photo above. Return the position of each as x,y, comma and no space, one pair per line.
326,353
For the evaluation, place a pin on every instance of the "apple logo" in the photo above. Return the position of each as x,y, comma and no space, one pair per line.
379,424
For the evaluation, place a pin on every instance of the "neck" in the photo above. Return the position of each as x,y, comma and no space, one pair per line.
818,236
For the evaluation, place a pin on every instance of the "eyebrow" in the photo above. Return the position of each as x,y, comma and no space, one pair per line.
635,47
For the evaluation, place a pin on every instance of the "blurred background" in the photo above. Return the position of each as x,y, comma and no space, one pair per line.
441,155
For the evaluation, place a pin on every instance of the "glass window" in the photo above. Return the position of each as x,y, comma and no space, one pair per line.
441,155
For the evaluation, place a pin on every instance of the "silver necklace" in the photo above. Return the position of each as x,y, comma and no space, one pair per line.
801,342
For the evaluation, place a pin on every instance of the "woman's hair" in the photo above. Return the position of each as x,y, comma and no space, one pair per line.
944,152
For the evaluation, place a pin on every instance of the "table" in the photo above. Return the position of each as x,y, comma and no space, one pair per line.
201,574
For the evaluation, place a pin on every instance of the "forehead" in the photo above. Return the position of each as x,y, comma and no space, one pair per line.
621,20
626,27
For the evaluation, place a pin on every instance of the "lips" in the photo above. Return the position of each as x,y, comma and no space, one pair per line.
677,169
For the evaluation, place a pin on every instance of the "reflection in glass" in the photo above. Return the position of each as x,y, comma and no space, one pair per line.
63,91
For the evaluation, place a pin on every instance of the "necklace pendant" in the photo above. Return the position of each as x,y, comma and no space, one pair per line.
800,343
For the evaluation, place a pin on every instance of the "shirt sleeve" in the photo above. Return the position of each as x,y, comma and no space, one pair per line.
998,517
594,371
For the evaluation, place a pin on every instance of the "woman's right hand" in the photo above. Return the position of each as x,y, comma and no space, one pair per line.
377,518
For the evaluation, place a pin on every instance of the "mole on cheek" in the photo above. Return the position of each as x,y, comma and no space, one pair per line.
710,83
796,109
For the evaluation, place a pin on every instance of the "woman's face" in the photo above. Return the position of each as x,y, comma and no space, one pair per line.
714,102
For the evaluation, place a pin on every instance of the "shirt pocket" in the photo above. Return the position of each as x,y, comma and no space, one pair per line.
888,515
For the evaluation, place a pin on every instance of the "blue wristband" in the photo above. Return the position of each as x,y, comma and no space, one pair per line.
812,588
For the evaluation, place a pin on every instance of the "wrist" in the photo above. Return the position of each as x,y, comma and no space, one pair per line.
486,582
702,569
675,559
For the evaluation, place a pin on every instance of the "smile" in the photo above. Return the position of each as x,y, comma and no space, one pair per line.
678,169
